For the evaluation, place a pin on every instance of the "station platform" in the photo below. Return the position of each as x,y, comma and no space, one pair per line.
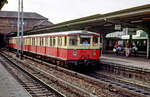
132,61
9,87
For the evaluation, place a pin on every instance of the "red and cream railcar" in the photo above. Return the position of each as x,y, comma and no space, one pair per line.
69,47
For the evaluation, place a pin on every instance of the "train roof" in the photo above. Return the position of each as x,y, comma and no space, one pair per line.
63,33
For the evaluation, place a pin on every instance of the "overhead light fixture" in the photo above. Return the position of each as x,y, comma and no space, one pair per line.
107,25
137,21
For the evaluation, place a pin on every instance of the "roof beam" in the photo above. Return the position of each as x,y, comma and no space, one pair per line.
112,15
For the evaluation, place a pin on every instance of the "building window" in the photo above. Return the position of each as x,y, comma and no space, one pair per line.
24,22
12,22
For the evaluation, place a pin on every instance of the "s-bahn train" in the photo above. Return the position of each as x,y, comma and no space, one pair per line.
70,47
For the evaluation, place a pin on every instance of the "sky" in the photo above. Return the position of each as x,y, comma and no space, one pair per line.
58,11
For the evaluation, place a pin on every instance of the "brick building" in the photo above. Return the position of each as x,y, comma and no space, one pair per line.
8,21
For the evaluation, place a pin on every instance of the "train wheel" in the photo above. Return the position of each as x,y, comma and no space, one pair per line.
58,63
62,63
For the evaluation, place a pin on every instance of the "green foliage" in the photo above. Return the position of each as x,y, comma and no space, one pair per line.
2,2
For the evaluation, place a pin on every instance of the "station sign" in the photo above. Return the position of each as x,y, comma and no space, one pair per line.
129,31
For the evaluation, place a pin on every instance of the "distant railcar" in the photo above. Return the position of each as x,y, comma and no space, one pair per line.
70,47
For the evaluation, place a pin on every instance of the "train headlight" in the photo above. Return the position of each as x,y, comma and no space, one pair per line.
75,53
94,53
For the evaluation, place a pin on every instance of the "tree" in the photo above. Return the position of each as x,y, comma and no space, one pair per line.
2,2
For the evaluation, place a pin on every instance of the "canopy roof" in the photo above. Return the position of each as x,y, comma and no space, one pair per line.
102,23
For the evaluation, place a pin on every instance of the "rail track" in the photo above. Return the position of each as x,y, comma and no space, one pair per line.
31,85
50,80
123,84
88,86
139,77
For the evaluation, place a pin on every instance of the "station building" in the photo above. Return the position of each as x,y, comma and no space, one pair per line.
32,20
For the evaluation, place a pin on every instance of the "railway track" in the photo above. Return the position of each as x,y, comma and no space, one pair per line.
100,88
31,85
126,74
128,86
50,80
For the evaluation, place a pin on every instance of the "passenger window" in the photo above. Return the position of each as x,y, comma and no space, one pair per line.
53,41
73,40
60,41
95,41
46,41
50,41
41,42
36,41
19,41
85,40
33,41
65,41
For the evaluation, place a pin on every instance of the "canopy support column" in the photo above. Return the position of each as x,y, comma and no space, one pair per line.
148,47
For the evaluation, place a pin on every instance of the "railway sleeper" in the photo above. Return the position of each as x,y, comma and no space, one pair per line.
126,72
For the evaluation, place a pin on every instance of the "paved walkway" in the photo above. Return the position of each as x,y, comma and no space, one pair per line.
9,87
140,62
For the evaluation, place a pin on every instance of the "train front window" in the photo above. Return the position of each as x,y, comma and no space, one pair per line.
95,41
73,41
85,40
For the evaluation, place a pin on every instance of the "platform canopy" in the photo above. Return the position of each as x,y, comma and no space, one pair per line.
2,3
104,23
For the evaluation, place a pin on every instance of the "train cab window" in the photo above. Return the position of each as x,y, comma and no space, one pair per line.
95,41
73,40
85,40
